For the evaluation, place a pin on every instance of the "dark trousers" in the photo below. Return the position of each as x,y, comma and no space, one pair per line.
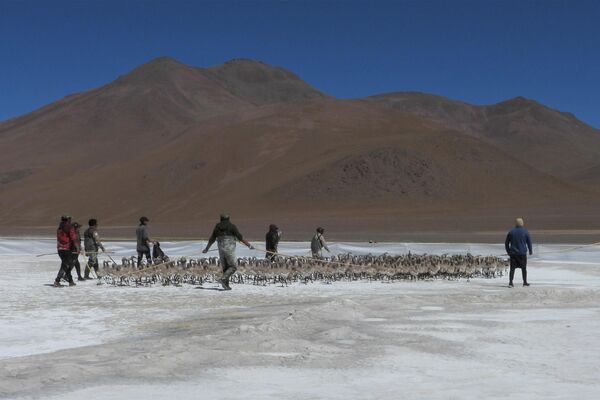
269,255
66,264
140,256
518,261
77,265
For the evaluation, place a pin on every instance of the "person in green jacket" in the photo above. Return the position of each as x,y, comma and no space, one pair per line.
226,235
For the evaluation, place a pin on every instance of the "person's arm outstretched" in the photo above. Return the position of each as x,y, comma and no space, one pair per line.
211,240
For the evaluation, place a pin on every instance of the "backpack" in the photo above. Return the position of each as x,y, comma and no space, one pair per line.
62,237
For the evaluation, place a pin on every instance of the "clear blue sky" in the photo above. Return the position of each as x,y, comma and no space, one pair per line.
477,51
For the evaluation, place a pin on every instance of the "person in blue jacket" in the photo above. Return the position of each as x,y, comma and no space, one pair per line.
517,243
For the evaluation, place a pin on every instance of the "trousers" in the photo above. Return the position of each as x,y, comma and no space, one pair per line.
518,261
226,246
66,265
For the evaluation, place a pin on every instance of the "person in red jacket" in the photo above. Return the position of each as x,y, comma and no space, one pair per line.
67,244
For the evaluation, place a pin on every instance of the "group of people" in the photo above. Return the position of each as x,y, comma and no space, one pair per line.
68,242
226,234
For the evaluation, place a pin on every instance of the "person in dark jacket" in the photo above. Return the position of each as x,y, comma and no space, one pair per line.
272,240
92,243
76,263
517,244
68,247
143,241
226,234
158,253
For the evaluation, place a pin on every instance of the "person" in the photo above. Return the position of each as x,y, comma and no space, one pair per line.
158,253
67,246
272,240
517,243
226,234
92,243
143,241
76,263
317,244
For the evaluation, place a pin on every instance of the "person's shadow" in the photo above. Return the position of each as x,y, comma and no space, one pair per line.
210,288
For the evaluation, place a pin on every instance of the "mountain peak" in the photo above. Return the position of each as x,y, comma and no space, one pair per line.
158,70
261,83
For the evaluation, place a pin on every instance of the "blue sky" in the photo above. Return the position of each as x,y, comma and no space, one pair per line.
477,51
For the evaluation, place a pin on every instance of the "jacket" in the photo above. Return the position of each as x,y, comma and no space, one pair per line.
66,237
272,239
142,239
318,243
224,228
91,240
518,242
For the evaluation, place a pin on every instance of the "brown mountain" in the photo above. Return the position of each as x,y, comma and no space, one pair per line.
181,144
551,141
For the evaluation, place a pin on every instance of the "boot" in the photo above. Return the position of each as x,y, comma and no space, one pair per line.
56,284
525,284
225,284
511,285
71,283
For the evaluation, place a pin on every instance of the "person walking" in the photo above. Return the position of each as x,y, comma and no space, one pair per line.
76,263
271,241
92,243
68,248
517,243
226,234
143,241
317,244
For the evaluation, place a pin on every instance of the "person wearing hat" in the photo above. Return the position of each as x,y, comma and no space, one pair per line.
68,248
317,244
517,243
92,243
143,241
271,241
76,263
226,234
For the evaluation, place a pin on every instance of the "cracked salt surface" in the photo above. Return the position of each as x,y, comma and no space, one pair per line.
360,340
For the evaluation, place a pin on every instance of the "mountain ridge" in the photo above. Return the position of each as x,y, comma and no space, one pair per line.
184,143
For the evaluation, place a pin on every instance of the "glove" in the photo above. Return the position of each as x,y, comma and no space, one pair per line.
252,247
205,251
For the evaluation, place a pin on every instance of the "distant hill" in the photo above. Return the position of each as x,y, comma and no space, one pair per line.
548,140
181,144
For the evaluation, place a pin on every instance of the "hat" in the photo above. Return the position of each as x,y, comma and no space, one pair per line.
224,217
144,219
65,217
